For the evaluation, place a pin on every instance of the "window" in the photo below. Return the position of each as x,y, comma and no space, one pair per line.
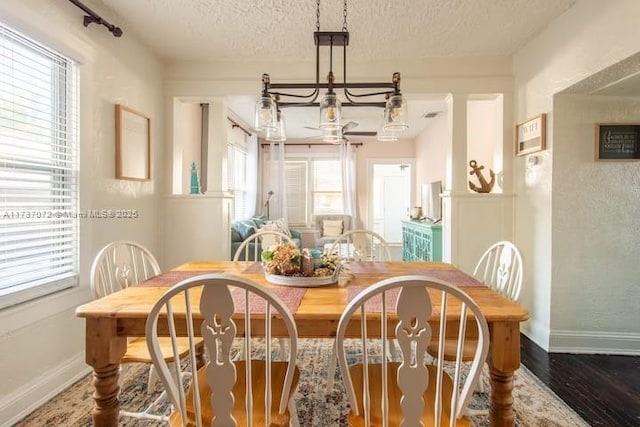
38,170
238,181
313,185
327,187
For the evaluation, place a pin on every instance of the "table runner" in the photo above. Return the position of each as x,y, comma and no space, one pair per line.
255,267
366,267
170,278
453,277
290,296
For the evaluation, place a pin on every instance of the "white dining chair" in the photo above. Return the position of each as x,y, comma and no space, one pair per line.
415,310
500,269
361,245
117,266
253,392
250,250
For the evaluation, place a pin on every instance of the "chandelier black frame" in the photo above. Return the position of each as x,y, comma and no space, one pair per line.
275,96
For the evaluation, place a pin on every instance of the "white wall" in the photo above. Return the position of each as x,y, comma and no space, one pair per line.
595,224
187,137
588,38
431,152
42,342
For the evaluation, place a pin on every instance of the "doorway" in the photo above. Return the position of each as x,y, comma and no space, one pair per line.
390,198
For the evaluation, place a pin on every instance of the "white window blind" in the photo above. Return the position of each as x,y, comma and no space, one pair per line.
238,181
38,170
296,187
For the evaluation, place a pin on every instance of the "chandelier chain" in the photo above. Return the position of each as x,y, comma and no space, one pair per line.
317,15
344,15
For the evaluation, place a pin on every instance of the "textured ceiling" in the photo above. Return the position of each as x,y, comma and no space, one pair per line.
208,30
181,31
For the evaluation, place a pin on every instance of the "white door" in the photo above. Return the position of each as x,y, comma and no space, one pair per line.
390,195
395,205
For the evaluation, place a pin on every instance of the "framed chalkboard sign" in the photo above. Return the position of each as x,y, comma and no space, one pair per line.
617,141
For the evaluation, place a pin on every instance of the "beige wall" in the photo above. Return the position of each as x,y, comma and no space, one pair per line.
42,342
587,39
431,152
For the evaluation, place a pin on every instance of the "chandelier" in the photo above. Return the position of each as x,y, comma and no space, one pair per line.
331,97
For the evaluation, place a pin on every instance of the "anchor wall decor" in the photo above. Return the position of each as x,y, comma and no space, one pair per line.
485,187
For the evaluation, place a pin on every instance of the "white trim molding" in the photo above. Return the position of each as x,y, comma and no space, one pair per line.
594,342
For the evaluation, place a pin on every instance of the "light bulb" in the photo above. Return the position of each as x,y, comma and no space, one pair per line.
396,114
330,112
265,113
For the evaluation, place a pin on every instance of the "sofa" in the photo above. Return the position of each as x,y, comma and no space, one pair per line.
330,227
242,229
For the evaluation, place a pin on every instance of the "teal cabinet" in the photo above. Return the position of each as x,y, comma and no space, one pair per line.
421,241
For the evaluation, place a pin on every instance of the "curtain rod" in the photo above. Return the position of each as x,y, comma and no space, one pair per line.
315,144
93,17
235,124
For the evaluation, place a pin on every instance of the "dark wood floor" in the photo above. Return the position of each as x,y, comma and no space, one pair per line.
603,390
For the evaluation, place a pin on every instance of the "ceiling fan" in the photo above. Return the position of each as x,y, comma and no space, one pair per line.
346,130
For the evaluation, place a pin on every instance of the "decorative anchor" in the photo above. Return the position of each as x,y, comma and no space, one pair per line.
485,187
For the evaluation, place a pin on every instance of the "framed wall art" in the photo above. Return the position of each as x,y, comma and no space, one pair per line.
531,135
617,141
133,144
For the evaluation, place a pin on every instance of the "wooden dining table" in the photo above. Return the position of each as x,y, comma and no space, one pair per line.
112,319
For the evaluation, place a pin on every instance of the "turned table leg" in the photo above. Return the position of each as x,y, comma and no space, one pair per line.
501,412
106,405
104,350
504,360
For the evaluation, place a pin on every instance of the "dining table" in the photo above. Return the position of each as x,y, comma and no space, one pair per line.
111,320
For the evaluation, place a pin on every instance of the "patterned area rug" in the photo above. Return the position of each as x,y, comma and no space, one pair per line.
535,405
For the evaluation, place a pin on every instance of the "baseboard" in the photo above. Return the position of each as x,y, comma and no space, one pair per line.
32,395
537,332
592,342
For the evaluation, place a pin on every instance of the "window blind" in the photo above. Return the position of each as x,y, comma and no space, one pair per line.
38,169
295,173
237,176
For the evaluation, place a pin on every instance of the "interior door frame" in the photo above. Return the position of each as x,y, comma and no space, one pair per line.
388,161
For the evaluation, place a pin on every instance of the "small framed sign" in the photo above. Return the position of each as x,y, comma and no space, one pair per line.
617,141
531,135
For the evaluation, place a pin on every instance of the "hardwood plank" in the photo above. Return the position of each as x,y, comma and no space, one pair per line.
603,389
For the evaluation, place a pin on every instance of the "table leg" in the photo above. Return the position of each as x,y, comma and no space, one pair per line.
504,360
106,405
104,349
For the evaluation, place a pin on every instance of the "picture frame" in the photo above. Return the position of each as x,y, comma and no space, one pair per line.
617,141
531,135
133,144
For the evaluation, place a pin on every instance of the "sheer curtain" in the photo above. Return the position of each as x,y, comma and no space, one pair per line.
348,163
251,195
278,201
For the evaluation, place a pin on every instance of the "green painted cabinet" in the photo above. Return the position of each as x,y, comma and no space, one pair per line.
421,241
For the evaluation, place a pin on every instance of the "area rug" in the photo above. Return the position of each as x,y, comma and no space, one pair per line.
534,404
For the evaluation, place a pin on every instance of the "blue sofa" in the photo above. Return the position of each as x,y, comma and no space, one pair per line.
242,229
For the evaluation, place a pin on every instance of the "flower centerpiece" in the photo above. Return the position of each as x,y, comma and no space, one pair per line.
287,261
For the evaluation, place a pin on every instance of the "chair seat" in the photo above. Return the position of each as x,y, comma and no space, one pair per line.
138,352
451,347
395,394
258,367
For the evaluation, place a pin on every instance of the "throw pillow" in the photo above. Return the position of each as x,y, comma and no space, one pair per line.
281,226
331,227
246,228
